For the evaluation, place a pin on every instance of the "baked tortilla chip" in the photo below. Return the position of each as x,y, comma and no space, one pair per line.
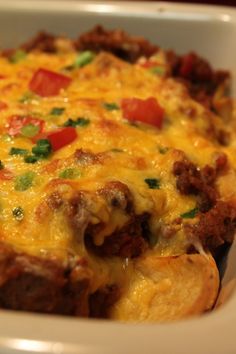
168,288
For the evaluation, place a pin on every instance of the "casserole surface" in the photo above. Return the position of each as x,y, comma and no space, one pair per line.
121,326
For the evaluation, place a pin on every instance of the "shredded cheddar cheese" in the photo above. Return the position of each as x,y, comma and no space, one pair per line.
80,107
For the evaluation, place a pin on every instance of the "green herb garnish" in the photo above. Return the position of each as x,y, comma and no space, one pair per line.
28,96
82,122
18,151
111,106
70,173
18,213
190,214
79,122
163,149
153,183
83,59
25,181
42,148
6,137
29,130
57,111
158,70
31,159
17,56
70,123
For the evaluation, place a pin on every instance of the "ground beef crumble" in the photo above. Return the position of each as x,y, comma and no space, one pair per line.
215,227
216,220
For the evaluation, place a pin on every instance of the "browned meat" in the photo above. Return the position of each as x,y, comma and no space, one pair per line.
193,71
130,241
217,226
221,162
117,42
223,137
102,300
78,212
191,180
118,195
54,201
86,157
43,41
197,75
35,284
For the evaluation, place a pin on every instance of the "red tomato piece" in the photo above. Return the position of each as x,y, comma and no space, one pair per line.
6,175
60,137
148,64
47,83
16,123
146,111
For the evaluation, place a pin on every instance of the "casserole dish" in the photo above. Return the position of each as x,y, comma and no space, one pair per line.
45,17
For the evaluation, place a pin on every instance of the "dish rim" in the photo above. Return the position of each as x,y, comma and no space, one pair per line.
16,333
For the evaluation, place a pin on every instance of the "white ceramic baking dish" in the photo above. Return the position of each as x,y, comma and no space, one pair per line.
211,32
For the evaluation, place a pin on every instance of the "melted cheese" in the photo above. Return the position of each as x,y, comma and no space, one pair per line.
130,155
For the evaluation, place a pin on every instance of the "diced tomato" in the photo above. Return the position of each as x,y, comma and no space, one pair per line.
16,123
187,65
147,111
6,175
60,137
47,83
3,105
148,64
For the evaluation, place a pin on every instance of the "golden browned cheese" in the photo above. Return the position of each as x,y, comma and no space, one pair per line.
128,153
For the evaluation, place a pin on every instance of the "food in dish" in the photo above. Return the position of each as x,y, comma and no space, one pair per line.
117,178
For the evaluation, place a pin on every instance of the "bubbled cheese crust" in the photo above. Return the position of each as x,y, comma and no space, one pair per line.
129,153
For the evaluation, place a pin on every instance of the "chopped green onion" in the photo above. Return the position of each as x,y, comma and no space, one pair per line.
70,173
57,111
111,106
17,56
81,60
1,165
28,96
79,122
84,58
31,159
158,70
6,137
163,149
190,214
18,213
153,183
29,130
70,123
43,148
82,122
24,182
18,151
